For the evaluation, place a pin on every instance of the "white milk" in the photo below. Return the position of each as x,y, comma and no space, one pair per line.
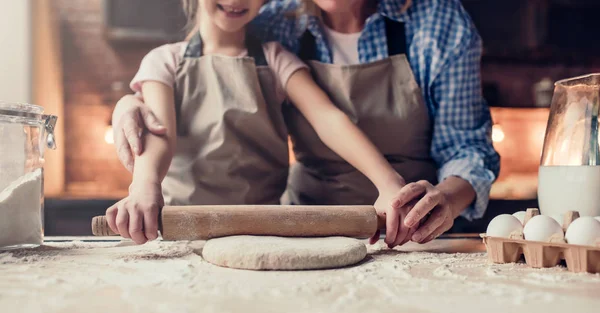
569,188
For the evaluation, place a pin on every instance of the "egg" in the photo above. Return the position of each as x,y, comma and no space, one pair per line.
504,226
543,228
584,231
520,215
597,218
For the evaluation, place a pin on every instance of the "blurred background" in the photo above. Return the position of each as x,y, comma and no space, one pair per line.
76,58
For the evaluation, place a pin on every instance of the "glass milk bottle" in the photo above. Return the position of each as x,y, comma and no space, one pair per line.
569,176
25,131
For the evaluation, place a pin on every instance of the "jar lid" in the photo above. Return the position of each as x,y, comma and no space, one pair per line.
29,114
21,112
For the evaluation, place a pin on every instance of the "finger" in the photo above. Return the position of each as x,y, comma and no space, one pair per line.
429,201
411,231
151,121
124,152
402,233
433,222
373,240
111,217
392,221
151,224
438,232
133,131
136,227
408,193
123,222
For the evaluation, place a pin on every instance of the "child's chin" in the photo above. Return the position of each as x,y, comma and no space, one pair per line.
232,27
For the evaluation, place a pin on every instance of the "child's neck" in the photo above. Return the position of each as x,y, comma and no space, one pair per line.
218,41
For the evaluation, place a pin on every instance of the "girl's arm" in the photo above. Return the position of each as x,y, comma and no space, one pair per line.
136,216
131,117
338,132
152,165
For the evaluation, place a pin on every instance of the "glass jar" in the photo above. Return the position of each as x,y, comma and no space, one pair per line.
569,176
25,131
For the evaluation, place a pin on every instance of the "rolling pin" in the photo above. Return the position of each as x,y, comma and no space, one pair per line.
202,222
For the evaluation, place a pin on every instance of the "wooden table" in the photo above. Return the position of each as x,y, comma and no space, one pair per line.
447,275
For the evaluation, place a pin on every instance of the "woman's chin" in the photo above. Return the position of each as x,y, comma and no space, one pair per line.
334,6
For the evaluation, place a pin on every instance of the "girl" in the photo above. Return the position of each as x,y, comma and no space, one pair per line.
220,98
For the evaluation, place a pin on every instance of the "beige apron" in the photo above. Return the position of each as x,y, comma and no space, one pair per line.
383,99
232,140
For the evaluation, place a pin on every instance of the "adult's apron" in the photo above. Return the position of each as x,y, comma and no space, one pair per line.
383,99
231,135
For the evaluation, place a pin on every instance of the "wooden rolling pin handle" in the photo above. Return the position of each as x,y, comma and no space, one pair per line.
205,222
100,227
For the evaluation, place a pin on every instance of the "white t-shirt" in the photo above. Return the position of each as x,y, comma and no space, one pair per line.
344,47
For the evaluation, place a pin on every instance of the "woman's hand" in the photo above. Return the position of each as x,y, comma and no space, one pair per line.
436,207
136,216
130,119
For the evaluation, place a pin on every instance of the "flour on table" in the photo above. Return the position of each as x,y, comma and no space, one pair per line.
167,276
20,211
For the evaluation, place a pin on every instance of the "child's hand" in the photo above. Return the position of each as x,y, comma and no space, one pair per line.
388,206
136,216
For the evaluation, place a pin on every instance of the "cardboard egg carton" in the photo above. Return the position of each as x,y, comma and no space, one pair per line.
544,254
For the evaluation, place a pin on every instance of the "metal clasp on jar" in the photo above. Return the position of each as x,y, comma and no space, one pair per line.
49,125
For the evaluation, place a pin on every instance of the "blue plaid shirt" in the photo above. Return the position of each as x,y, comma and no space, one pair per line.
445,51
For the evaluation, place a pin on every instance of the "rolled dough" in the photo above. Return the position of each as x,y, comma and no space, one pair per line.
282,253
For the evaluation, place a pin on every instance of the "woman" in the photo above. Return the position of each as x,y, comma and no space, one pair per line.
409,75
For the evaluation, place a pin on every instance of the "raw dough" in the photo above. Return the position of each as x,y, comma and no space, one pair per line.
279,253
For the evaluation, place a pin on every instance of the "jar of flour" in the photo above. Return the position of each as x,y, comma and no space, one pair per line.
25,131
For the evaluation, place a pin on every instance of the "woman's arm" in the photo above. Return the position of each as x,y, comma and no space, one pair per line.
338,132
461,141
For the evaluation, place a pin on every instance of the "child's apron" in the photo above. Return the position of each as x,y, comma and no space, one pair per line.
232,140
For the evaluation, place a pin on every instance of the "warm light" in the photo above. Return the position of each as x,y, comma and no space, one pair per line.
497,133
108,136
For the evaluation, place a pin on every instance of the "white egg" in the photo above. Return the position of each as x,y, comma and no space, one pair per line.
503,226
583,231
542,228
558,218
520,215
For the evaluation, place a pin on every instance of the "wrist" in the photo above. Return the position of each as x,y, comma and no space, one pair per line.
146,179
393,181
458,192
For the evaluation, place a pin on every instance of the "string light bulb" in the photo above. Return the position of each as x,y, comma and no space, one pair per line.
497,133
108,135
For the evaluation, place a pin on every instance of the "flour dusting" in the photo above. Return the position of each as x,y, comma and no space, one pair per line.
171,277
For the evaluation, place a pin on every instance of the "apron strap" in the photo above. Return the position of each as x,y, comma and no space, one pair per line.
393,30
194,48
308,47
255,49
